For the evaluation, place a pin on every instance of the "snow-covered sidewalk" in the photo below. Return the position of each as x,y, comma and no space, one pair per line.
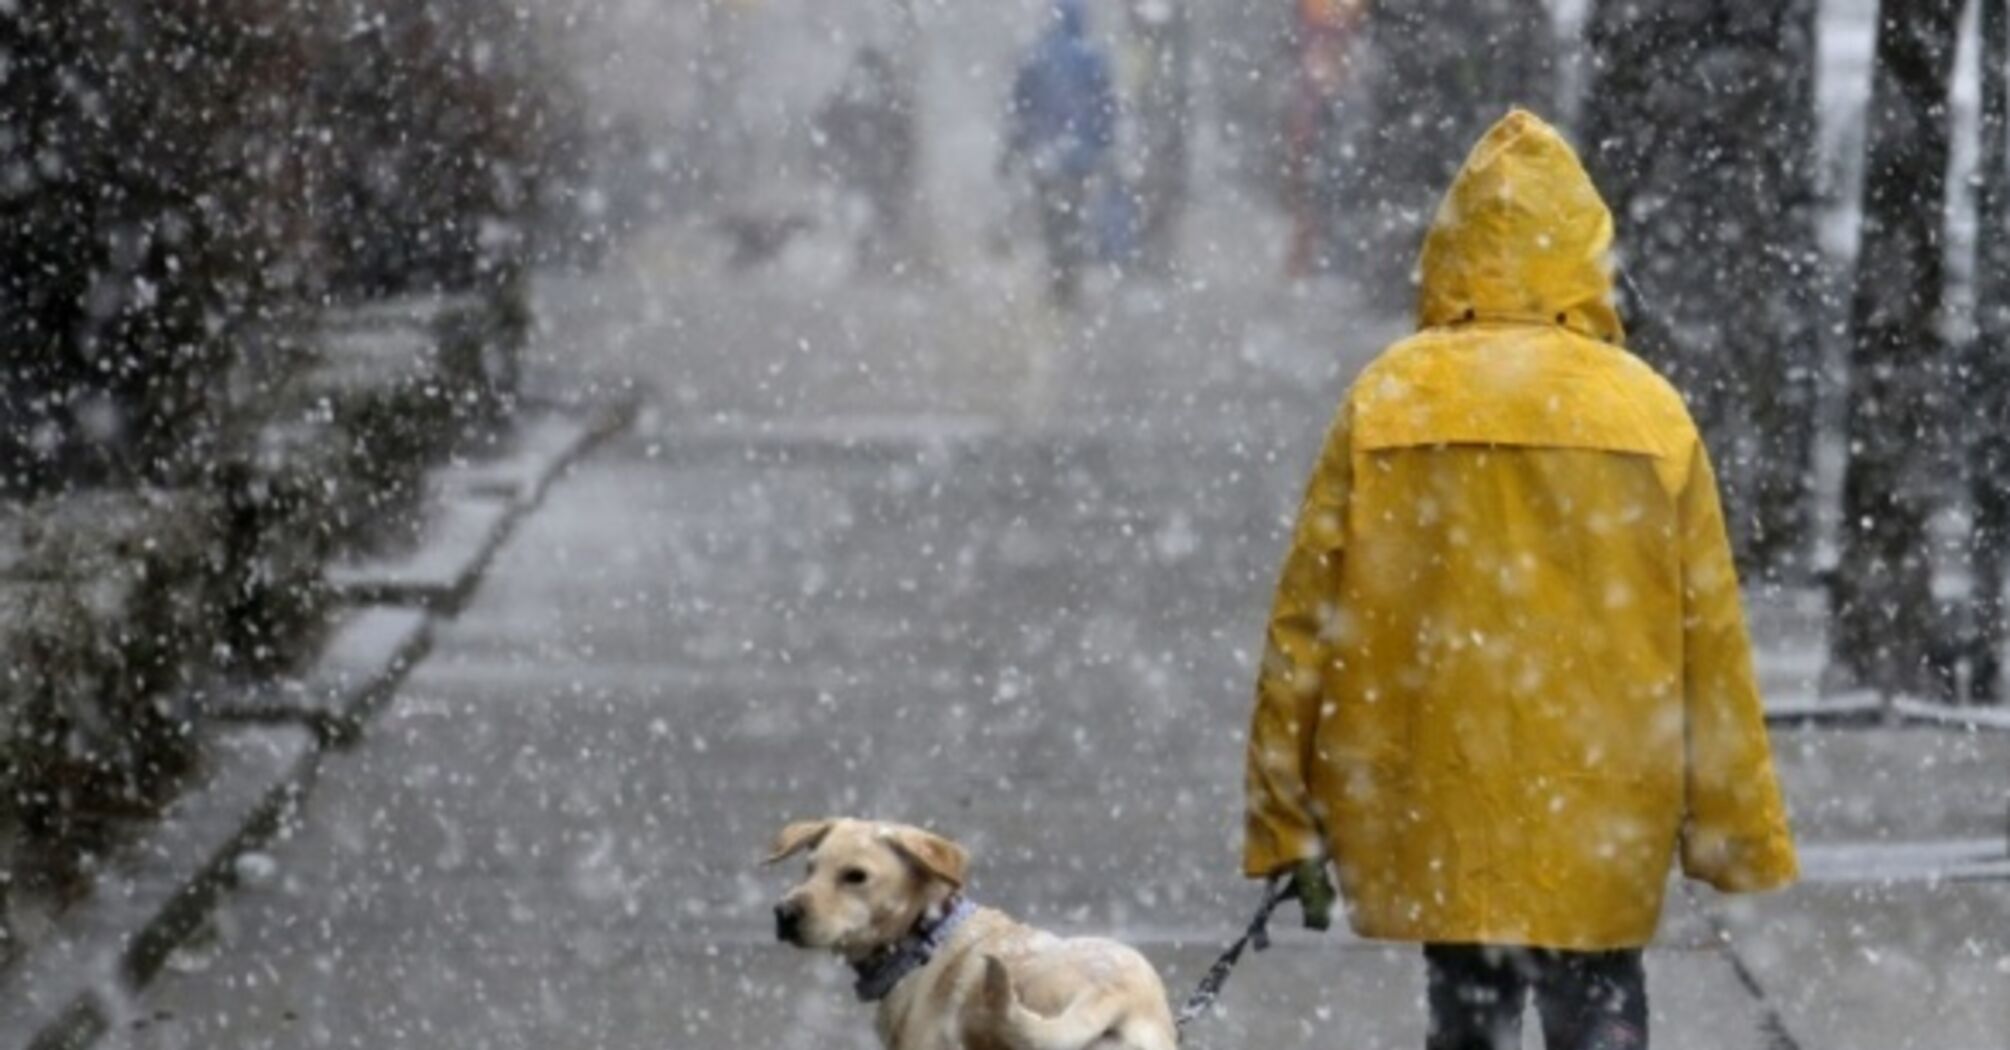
1017,603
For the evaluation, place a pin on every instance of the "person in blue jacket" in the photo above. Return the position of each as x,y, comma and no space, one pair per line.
1060,127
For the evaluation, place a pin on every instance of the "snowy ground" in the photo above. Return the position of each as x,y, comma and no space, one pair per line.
933,553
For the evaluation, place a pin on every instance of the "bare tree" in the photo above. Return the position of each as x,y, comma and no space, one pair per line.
1885,624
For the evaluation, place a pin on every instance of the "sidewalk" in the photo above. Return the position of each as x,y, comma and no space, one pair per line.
1011,592
526,853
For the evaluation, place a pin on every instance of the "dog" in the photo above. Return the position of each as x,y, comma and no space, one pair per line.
949,975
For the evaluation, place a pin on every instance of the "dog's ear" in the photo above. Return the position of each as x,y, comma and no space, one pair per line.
797,837
932,853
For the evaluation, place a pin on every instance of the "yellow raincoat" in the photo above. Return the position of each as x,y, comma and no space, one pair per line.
1507,677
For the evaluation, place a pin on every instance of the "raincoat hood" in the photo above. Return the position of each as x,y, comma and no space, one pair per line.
1507,681
1522,237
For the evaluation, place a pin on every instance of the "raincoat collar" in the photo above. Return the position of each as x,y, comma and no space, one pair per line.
879,973
1522,237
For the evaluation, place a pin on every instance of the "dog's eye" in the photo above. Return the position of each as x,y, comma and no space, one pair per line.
852,876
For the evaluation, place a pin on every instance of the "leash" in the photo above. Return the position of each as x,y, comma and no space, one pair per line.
1202,1000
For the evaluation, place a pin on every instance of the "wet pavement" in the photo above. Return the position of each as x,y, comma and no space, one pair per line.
940,556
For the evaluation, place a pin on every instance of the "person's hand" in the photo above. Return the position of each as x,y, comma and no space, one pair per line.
1314,890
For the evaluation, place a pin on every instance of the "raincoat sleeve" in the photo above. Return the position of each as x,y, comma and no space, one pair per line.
1282,828
1734,835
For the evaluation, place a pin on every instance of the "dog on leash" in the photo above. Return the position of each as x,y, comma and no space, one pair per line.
947,974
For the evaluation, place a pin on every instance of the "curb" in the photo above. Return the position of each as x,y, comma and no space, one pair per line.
264,750
1842,712
1973,719
1866,711
1945,860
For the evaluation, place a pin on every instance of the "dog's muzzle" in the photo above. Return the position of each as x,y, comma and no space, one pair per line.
788,923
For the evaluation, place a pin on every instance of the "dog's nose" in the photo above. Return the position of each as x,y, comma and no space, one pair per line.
788,920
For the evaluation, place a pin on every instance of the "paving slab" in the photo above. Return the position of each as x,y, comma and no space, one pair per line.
470,507
1894,965
542,443
457,538
519,474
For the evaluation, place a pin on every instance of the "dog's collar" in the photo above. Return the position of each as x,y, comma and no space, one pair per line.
878,974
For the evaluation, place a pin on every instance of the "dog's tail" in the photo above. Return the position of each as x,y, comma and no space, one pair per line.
1088,1021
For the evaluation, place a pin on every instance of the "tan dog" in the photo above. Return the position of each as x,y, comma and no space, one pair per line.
949,975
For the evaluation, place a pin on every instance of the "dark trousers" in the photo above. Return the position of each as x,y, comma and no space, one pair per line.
1588,1000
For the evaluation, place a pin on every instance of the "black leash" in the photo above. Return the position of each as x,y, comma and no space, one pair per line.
1278,891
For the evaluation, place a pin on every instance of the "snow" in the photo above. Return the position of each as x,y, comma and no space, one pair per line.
911,541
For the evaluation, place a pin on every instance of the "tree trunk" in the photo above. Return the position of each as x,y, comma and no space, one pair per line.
1789,301
1442,72
1699,126
1884,620
1987,374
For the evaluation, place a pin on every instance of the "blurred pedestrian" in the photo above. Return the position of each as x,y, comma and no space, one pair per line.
1059,129
1316,138
1161,94
867,129
1508,677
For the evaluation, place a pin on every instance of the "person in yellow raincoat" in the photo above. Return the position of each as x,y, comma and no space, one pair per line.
1507,680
